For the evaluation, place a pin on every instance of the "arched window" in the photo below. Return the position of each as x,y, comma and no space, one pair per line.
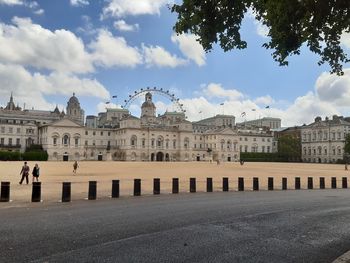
160,142
65,140
186,143
133,141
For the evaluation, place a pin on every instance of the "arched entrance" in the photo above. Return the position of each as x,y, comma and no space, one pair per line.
198,158
152,157
160,157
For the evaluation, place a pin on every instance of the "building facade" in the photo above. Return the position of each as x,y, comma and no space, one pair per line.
117,135
323,141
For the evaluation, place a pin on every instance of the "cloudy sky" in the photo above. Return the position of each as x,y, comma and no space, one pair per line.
102,48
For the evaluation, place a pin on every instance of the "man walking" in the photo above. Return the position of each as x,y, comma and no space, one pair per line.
25,173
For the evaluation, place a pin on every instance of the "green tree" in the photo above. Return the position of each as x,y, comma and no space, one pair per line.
347,148
318,24
289,147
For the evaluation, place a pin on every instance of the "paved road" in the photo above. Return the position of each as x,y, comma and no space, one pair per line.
289,226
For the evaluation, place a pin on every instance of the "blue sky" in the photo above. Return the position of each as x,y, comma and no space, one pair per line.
100,48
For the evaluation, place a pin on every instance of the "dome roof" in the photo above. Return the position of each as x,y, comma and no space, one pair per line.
73,100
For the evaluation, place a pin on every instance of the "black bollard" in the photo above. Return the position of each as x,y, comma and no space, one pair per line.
345,182
256,184
5,192
192,185
334,183
66,192
36,192
297,183
115,188
175,185
137,187
92,190
322,183
240,184
270,183
310,183
209,185
156,186
225,186
284,183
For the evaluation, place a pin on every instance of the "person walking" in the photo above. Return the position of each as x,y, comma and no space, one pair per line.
24,172
75,167
35,173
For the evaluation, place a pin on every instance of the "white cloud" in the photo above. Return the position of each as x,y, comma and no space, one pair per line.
264,100
11,2
215,90
39,11
345,40
190,47
102,106
79,2
110,51
121,25
30,44
203,105
31,88
158,56
333,88
122,8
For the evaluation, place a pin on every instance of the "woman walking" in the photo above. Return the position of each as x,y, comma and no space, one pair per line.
35,172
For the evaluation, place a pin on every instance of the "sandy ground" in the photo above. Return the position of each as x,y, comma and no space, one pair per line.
52,174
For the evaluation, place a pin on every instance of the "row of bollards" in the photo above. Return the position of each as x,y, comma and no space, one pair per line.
92,193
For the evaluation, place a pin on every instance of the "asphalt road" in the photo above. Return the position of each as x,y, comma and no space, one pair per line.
279,226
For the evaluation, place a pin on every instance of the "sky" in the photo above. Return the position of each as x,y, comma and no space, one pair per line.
98,49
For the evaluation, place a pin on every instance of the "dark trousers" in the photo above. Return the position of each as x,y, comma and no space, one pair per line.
24,176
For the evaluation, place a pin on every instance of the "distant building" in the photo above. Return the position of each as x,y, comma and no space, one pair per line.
272,123
323,141
118,135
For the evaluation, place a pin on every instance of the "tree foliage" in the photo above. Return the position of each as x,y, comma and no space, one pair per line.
290,147
318,24
347,145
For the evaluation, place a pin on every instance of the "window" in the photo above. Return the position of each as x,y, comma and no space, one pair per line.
93,143
86,143
54,141
263,149
246,148
93,133
263,139
10,141
65,140
268,139
18,141
109,133
86,133
10,130
174,144
76,141
246,139
18,130
2,129
143,143
101,133
2,141
268,149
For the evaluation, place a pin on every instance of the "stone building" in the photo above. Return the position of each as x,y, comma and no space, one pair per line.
118,135
323,141
266,122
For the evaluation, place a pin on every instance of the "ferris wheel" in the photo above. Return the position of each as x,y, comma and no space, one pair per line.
159,91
